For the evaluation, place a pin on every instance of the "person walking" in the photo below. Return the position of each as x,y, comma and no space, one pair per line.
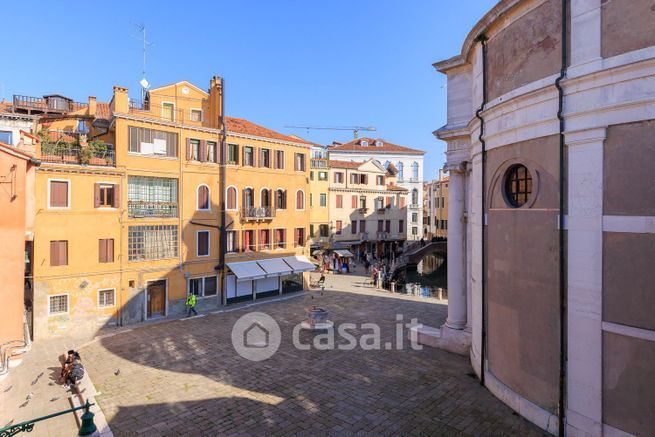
191,303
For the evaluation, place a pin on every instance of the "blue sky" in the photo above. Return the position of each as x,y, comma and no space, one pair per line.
366,63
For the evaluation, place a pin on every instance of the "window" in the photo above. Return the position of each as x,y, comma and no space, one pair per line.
322,176
414,197
193,150
380,225
249,241
402,202
299,162
322,199
248,156
202,243
248,198
152,242
400,171
265,239
203,198
300,200
265,158
196,115
387,226
362,202
358,178
168,111
414,230
300,237
106,298
106,250
265,198
445,224
279,159
281,199
311,231
204,286
379,180
362,226
414,217
6,137
354,202
59,194
415,171
388,204
231,241
151,197
311,175
339,201
232,154
353,227
231,198
211,151
58,304
280,238
379,203
518,185
152,142
311,200
59,253
338,177
401,226
339,225
324,230
106,196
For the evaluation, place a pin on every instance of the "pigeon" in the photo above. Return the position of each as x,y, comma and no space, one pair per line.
29,397
37,378
53,399
8,388
117,372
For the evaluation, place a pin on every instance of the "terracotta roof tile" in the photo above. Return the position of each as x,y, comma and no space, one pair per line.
396,188
11,149
6,106
103,111
356,146
242,126
344,164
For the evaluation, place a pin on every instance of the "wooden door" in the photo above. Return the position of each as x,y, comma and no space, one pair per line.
156,299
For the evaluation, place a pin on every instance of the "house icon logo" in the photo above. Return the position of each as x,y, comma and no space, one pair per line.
256,336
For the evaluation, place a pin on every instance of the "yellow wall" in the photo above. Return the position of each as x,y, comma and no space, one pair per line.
318,214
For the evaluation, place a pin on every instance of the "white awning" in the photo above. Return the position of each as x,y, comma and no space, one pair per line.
247,270
344,253
274,266
299,263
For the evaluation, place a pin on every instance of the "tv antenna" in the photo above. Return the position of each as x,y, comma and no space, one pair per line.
144,83
355,129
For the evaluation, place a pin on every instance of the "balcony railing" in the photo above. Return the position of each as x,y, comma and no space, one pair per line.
149,110
72,153
382,235
141,208
362,210
53,104
363,236
254,213
414,206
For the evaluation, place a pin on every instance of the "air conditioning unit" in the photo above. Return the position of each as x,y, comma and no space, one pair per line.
260,212
159,146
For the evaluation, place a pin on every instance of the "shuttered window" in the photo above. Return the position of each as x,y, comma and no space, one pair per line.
212,151
339,201
353,226
265,158
279,159
299,162
264,239
231,198
203,243
142,140
106,196
339,225
362,226
281,199
387,225
232,154
232,241
280,238
59,253
354,202
401,226
106,250
300,199
300,237
59,194
203,198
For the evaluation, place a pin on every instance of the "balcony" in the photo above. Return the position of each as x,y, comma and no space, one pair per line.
66,149
362,210
160,112
54,104
414,206
381,235
319,163
253,213
141,208
363,236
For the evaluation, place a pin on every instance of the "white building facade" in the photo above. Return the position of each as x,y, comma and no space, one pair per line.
406,161
551,237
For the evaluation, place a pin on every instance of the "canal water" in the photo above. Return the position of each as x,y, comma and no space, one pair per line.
427,279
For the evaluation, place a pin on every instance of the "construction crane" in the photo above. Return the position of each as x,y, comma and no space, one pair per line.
354,129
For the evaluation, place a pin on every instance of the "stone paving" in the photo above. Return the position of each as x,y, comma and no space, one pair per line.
183,377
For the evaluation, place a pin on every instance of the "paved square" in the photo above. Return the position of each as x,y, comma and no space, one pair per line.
185,378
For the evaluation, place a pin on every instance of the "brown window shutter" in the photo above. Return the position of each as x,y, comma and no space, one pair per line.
243,155
54,253
96,195
354,202
110,250
63,253
189,152
203,151
102,256
117,196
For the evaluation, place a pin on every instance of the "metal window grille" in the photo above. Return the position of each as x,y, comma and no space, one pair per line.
518,185
152,242
151,197
106,298
58,304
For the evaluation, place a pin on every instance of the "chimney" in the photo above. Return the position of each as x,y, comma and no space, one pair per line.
120,100
92,106
215,101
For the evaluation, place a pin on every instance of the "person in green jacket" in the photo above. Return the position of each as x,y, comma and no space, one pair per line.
191,303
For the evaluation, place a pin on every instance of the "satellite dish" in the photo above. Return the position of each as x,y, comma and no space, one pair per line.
144,83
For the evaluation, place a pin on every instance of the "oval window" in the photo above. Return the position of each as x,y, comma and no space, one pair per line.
518,185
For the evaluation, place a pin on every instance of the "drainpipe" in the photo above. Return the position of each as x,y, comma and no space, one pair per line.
562,266
222,244
483,158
